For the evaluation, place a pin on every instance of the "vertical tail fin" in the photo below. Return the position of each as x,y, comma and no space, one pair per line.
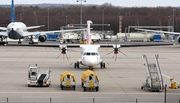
88,37
12,12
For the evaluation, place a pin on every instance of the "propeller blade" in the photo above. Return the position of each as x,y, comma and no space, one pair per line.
67,57
58,56
71,50
122,52
63,57
106,47
115,57
110,52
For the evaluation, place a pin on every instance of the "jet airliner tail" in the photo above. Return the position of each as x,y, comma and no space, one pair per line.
12,12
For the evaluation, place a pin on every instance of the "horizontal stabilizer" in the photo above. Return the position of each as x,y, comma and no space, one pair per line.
3,34
3,28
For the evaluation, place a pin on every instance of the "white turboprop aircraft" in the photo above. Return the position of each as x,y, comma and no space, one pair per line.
89,55
18,30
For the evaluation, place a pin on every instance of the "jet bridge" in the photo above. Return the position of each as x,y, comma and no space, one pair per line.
154,80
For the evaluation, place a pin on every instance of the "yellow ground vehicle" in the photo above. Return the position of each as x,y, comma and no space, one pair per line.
90,80
67,80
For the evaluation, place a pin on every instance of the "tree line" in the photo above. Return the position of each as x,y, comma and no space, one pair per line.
70,14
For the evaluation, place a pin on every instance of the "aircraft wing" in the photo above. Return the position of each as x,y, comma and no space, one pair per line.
54,31
32,27
3,28
3,34
173,33
157,31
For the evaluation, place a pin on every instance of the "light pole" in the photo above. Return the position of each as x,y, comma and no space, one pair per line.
81,10
103,19
66,19
20,17
173,20
48,19
103,22
169,17
169,20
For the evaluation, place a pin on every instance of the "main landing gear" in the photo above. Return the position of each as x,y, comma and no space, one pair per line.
90,68
31,41
76,65
102,65
3,42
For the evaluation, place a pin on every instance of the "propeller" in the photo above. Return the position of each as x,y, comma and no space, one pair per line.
63,49
116,51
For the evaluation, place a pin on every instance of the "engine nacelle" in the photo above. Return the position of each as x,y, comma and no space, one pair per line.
63,50
42,38
178,39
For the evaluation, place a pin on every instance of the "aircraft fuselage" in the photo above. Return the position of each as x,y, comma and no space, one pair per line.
15,30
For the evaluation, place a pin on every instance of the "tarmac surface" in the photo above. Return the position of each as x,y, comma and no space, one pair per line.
120,81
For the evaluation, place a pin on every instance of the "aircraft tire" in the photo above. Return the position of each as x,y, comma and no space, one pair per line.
104,65
82,84
31,42
6,43
62,87
97,89
3,43
74,87
19,42
84,89
77,64
101,65
74,65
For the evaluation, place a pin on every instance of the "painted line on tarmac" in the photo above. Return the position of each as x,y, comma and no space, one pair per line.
148,98
97,97
100,93
37,97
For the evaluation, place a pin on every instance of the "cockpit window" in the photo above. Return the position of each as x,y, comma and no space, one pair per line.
91,53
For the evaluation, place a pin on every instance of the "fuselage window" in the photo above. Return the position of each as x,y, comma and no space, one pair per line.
88,53
93,54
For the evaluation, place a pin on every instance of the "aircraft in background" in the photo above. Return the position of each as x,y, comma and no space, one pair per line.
177,40
18,30
89,55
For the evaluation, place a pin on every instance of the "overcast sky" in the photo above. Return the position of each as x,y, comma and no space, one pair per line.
125,3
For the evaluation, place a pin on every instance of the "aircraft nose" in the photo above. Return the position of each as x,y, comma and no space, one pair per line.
92,61
13,28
